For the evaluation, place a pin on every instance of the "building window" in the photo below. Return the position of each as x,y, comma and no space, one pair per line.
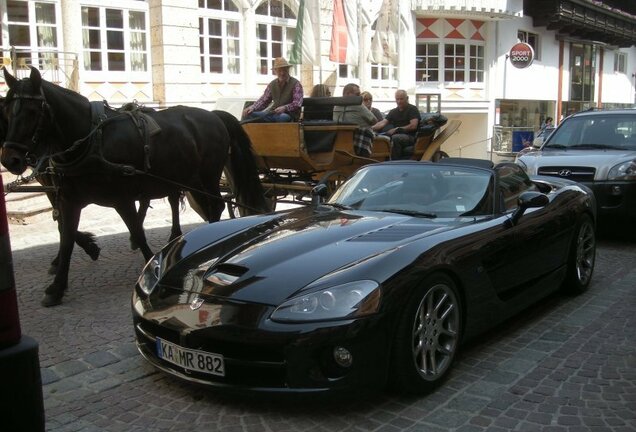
383,72
531,39
620,61
275,32
427,62
220,37
454,62
476,63
114,40
347,71
33,31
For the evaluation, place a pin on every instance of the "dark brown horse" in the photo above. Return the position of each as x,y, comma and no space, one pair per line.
101,156
85,240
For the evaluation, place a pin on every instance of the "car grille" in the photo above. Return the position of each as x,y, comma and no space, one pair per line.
579,174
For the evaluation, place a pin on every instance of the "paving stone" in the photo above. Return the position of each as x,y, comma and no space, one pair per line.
100,359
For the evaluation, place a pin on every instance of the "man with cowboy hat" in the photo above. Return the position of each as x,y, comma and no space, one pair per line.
281,100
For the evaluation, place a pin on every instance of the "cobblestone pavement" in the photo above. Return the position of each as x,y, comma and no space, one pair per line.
566,364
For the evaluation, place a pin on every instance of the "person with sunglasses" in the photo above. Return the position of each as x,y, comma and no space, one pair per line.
367,101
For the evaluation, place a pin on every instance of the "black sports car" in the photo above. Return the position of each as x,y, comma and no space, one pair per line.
380,284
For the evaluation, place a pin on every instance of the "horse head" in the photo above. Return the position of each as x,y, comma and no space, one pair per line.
25,112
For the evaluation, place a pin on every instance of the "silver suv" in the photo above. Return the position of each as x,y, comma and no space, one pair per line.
596,148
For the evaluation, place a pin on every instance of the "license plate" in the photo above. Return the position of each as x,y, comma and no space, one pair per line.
194,360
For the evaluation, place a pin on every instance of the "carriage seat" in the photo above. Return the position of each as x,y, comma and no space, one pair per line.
318,111
430,123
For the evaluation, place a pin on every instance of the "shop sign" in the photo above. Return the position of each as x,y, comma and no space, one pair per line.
521,55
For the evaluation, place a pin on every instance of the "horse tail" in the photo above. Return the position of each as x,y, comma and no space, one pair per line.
242,167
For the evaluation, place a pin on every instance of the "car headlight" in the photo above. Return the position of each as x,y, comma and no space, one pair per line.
623,171
150,275
350,300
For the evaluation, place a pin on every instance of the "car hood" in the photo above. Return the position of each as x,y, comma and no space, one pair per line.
602,160
273,259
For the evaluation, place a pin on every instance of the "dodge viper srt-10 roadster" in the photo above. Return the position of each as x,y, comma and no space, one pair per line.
377,285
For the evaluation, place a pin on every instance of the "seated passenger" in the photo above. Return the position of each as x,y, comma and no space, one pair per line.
403,121
282,99
367,101
318,112
320,90
359,115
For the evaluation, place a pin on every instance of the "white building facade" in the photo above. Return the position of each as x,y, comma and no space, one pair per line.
452,56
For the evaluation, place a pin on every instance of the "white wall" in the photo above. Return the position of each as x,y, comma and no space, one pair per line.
618,87
539,81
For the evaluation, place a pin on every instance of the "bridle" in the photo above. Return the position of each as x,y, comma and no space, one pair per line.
30,159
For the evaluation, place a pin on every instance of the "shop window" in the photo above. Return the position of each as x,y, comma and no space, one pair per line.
582,72
275,34
220,37
114,39
531,39
620,61
427,62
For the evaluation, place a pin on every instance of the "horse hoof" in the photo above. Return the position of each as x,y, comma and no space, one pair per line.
51,300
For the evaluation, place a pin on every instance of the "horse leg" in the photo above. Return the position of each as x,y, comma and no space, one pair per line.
174,200
128,213
144,204
68,223
86,241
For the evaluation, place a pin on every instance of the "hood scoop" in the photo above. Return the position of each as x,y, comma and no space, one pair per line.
391,233
225,274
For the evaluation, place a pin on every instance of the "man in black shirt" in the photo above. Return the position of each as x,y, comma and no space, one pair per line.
403,122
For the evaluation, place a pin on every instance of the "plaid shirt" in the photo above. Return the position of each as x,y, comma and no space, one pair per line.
363,141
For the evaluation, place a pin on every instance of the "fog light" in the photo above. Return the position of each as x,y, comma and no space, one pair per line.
342,356
616,190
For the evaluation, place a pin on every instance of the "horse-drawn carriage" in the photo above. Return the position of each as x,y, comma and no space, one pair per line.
294,157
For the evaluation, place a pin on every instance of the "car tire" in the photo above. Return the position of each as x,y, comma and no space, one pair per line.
427,337
581,258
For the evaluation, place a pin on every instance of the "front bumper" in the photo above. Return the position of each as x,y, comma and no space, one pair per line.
615,199
259,354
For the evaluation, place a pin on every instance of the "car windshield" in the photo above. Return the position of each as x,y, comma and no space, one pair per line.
599,131
422,190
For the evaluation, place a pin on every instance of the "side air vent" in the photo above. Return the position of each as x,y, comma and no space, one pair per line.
225,274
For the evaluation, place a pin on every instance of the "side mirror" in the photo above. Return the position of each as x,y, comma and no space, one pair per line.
528,200
318,193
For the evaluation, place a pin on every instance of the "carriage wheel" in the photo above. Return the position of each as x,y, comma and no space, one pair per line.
439,155
333,180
